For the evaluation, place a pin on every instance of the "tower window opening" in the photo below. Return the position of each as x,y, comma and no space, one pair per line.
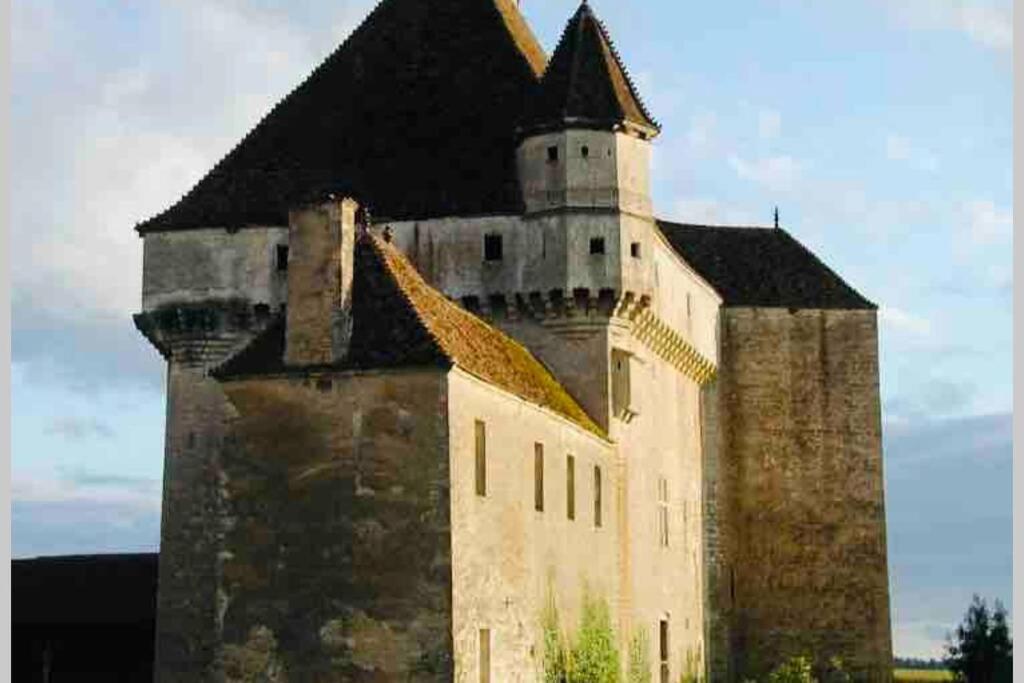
282,258
538,477
570,487
585,151
481,458
597,497
493,248
552,154
663,512
663,650
634,250
596,245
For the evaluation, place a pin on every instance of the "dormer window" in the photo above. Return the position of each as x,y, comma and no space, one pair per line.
552,154
493,248
596,245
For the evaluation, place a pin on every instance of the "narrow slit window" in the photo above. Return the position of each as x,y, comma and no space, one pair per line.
585,152
597,497
663,650
494,249
485,655
282,258
634,250
663,512
552,154
570,487
596,245
481,458
538,477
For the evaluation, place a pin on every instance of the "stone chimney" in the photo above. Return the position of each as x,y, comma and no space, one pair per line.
321,243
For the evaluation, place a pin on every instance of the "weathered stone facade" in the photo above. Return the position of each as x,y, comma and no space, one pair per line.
353,462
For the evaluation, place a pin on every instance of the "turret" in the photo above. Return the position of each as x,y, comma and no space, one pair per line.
584,169
585,138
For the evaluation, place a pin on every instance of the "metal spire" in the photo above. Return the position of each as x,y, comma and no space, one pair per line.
776,217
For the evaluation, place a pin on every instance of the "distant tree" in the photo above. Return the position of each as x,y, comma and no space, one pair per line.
981,650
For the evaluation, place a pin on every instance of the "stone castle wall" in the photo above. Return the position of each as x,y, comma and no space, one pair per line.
338,554
508,557
796,519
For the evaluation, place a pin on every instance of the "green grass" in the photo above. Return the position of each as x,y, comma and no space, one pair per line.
921,675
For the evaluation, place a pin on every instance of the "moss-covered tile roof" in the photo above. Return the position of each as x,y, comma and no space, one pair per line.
415,113
400,321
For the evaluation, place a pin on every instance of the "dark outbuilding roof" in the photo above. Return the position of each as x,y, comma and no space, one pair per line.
398,320
84,589
586,83
763,267
415,113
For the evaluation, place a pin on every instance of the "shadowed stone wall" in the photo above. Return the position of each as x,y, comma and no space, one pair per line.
338,554
796,518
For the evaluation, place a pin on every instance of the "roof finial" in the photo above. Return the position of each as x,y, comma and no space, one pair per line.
776,217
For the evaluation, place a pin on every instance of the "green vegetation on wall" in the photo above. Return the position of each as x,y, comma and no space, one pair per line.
592,657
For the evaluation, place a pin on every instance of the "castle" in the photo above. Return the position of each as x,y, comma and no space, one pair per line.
435,367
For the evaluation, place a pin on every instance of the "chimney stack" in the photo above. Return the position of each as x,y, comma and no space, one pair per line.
321,246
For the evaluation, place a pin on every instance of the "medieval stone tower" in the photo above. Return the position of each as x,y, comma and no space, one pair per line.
435,367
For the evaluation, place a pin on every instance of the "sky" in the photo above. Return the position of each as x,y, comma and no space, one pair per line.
881,129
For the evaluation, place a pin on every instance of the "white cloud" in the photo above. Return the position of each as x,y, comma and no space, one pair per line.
710,211
987,223
701,132
779,173
902,322
77,428
769,124
899,148
988,25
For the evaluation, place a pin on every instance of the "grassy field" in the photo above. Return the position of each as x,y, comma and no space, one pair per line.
921,675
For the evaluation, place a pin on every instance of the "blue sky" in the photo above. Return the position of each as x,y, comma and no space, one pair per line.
882,130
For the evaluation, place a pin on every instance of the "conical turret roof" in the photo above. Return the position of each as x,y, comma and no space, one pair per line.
586,84
415,114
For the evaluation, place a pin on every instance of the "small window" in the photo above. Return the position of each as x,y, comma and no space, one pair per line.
597,497
663,650
585,152
596,245
552,154
485,655
538,477
634,250
493,248
663,512
282,258
481,459
570,487
623,401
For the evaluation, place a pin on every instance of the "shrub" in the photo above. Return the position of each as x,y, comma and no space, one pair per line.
594,657
639,670
793,670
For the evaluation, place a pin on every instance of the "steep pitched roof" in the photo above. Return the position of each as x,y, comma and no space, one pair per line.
586,83
415,113
762,267
398,320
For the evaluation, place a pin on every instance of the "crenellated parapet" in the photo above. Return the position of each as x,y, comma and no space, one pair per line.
204,332
601,306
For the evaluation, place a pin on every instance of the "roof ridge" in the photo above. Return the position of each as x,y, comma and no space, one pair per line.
610,42
218,166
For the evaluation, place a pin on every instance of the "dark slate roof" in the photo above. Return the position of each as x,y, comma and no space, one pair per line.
84,589
398,320
586,83
763,267
415,113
